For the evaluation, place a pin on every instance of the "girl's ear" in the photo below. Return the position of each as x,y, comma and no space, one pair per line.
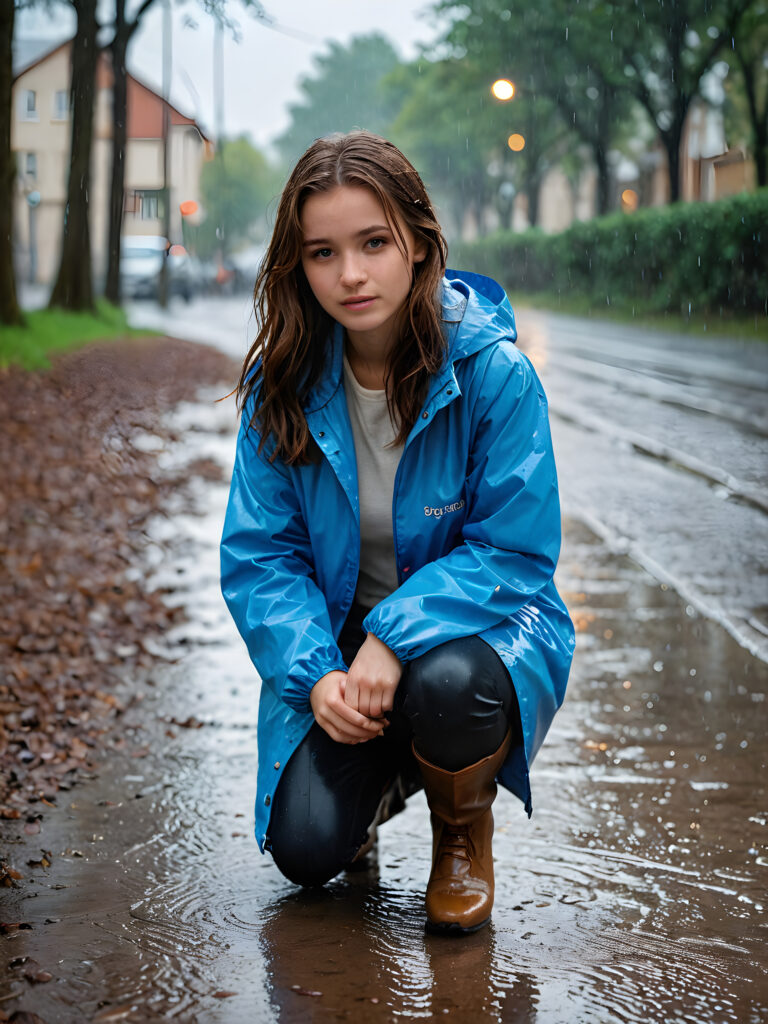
420,251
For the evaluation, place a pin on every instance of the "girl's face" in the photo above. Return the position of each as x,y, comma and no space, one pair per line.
353,263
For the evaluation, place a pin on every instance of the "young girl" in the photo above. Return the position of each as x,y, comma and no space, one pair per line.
392,531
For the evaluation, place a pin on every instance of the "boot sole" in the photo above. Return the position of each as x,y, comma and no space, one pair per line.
451,928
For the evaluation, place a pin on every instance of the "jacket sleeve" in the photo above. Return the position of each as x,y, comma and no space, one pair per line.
511,534
267,578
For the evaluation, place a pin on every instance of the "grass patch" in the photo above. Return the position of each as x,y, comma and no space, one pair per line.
747,327
50,331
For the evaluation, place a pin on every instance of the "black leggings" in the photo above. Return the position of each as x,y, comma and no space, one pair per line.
456,703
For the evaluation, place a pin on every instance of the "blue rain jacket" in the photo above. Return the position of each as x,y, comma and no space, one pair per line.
476,520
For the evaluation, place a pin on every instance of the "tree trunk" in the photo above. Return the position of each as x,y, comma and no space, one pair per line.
603,179
74,285
9,306
119,50
761,161
600,149
533,192
758,120
672,147
673,140
760,132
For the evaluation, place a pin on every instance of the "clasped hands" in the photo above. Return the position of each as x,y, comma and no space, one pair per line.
350,706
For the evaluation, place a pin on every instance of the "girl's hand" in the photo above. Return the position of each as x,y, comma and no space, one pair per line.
373,678
343,723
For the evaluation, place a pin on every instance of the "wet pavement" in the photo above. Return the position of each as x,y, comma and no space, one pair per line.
637,891
661,440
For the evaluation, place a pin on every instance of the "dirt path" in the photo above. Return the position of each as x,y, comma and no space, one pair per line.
76,618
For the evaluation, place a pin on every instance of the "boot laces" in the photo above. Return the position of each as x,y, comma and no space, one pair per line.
455,841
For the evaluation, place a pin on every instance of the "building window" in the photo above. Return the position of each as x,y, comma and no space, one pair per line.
149,203
29,105
30,166
61,105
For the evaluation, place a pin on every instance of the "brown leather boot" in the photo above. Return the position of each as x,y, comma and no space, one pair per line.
460,889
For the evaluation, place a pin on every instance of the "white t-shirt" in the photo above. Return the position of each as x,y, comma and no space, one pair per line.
377,464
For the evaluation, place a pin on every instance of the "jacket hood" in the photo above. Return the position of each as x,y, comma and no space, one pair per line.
487,314
477,313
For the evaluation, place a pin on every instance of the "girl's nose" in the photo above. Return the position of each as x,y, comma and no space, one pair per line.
352,271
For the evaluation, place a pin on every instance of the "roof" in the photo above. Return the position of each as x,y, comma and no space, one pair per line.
145,121
145,118
29,52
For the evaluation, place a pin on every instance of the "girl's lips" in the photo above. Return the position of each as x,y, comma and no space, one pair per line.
362,303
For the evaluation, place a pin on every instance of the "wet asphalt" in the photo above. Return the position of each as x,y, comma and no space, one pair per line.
637,891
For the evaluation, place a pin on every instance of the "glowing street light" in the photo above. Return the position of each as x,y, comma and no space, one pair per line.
503,89
516,142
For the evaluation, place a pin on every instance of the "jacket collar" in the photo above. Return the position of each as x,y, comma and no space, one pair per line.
476,312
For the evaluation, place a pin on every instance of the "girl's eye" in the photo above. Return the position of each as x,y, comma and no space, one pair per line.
376,243
322,254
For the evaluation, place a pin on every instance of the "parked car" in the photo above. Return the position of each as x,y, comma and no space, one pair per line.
246,264
141,261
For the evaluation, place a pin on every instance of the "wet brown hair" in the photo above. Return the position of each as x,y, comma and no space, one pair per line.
287,357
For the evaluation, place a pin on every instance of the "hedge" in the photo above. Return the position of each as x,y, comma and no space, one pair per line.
686,257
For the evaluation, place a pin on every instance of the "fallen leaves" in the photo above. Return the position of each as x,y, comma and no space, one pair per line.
189,723
9,876
30,969
76,497
44,862
9,928
111,1013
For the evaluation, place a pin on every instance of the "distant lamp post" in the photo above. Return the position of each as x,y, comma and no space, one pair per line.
629,200
503,89
33,201
516,143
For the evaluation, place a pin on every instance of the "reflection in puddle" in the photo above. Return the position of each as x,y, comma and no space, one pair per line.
362,950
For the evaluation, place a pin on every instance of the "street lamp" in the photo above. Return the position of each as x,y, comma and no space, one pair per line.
516,142
503,89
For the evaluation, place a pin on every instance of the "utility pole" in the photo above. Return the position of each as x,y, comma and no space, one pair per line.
218,116
167,52
218,79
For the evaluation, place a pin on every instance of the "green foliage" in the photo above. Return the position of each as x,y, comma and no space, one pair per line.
598,62
48,331
684,258
486,40
343,93
236,188
450,128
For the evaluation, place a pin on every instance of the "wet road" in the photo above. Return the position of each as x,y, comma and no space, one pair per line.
637,891
661,439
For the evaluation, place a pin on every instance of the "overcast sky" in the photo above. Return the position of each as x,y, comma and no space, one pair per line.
261,71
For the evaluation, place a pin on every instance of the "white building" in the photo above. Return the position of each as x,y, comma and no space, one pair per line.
40,138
